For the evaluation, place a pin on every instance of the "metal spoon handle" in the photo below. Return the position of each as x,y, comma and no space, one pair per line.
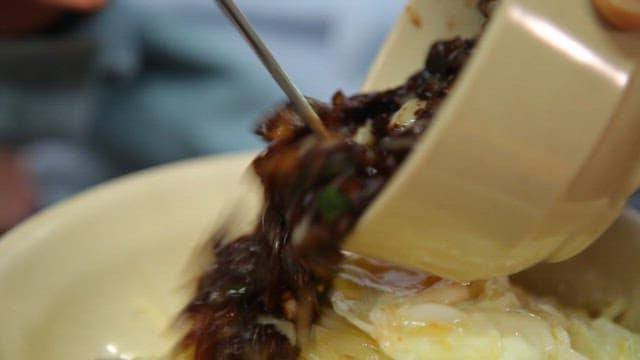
301,104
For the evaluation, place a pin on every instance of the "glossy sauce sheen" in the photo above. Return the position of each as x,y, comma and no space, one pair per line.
315,190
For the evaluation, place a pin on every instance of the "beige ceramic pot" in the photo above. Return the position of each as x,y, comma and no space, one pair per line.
532,155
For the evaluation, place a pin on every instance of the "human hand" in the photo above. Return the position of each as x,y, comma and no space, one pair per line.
623,14
78,5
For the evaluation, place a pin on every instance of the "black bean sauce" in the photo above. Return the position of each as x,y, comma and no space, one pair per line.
315,190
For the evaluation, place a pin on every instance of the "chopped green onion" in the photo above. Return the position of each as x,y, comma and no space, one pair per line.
332,203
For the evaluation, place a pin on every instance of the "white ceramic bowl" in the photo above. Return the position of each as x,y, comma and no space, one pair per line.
103,274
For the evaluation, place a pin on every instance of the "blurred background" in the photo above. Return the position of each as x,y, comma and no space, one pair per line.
93,89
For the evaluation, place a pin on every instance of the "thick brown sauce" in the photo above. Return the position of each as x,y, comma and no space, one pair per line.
315,190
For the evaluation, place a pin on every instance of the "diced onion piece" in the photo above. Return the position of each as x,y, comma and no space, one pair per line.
406,115
364,135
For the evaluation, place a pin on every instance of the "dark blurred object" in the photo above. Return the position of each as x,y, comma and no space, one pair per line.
22,16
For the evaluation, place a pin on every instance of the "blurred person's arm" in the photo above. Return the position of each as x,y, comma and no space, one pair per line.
17,199
26,16
18,76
